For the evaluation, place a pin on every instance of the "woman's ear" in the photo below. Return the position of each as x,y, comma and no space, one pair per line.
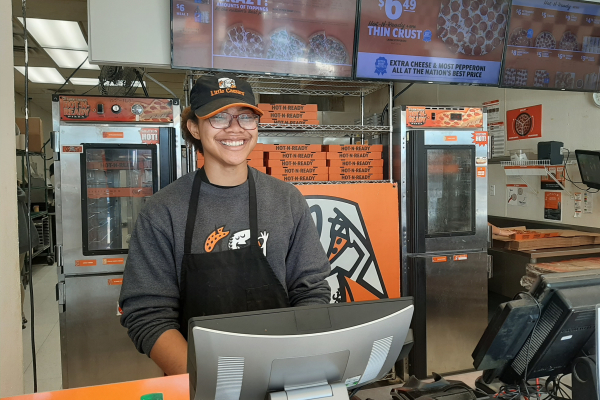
193,128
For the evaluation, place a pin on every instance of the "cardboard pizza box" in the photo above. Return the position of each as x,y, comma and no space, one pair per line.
261,169
257,163
259,147
353,147
302,177
287,107
295,155
355,163
355,177
293,147
298,170
290,115
296,163
356,170
354,155
281,121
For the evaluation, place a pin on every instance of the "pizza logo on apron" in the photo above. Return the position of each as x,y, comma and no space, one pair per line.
214,238
236,241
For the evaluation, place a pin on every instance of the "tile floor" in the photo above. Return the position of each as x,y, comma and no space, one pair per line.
47,332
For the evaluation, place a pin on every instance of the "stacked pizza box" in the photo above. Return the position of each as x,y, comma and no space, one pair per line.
354,162
289,114
256,158
297,162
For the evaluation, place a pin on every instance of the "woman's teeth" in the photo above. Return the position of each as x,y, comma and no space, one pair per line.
232,143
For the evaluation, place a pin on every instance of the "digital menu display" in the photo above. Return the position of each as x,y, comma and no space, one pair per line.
451,41
553,45
297,37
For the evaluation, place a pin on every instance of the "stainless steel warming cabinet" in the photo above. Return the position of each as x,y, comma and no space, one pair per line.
111,155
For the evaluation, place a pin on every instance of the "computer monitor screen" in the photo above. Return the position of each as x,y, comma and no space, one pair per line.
589,167
306,38
559,329
328,348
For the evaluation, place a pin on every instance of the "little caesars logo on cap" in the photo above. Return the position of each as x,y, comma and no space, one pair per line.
226,85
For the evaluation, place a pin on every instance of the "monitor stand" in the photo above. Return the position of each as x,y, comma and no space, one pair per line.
337,391
585,379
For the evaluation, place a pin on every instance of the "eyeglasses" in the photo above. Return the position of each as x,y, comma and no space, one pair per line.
223,120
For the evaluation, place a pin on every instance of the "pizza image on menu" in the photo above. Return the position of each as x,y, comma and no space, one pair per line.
286,46
518,37
564,80
326,49
568,42
591,82
472,27
521,77
545,40
510,75
541,78
515,77
242,42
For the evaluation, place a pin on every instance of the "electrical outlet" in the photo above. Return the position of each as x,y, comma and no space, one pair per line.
492,190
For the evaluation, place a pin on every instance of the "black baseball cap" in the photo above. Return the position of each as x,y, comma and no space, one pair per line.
213,94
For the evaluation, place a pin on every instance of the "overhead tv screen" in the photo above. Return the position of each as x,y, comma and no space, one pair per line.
446,41
553,45
296,37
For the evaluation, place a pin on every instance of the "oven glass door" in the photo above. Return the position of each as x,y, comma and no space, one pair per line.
450,191
116,182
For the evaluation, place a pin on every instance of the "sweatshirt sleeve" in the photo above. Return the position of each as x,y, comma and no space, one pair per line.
306,262
150,292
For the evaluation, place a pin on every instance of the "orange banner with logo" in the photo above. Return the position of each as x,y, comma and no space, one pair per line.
360,235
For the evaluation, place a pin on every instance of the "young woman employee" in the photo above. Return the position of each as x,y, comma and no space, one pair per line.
223,239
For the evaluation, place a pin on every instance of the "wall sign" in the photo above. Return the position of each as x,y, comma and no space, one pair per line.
553,206
524,123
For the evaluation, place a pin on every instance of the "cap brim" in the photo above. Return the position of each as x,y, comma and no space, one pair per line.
222,104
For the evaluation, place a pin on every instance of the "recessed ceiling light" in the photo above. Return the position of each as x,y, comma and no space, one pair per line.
70,58
43,75
85,81
57,34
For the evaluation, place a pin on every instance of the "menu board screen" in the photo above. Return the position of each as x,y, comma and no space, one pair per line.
553,45
452,41
297,37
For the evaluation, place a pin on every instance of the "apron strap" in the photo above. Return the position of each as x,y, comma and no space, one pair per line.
253,215
192,211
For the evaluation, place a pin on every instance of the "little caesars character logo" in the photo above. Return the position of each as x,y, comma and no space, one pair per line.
226,85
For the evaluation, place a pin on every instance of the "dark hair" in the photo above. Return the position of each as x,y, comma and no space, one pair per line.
189,115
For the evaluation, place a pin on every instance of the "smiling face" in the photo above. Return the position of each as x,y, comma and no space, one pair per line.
229,147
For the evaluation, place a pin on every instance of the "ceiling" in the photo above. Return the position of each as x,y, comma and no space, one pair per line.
70,10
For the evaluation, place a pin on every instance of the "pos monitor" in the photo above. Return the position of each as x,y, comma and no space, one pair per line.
589,167
544,333
296,353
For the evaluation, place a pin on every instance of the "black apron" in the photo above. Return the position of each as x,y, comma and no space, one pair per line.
228,281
